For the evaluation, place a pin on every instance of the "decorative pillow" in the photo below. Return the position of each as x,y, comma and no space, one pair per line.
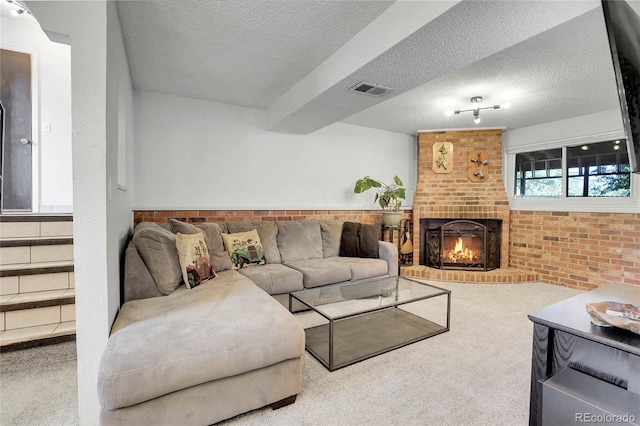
299,240
244,248
212,231
267,231
349,244
157,248
331,231
359,240
194,259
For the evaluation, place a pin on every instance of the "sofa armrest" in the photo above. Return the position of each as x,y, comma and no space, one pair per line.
138,282
389,252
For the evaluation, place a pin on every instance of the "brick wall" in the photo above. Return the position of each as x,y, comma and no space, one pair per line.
578,250
453,195
364,216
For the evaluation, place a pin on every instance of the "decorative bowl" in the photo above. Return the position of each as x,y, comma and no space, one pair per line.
615,314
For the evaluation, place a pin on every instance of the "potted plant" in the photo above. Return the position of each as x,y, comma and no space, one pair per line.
388,196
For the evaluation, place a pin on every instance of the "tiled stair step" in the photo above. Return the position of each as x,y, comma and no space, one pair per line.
36,277
20,269
32,250
39,241
33,226
63,217
28,337
37,318
35,268
37,299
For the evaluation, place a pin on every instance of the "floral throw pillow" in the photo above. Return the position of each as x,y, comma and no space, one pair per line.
244,248
195,262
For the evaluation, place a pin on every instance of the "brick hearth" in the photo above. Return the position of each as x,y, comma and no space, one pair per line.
497,276
453,196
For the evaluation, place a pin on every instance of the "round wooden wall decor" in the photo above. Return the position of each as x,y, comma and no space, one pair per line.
442,157
478,166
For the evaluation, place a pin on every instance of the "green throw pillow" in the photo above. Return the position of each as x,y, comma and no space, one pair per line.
244,248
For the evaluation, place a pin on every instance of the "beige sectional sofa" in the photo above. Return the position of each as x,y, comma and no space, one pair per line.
205,354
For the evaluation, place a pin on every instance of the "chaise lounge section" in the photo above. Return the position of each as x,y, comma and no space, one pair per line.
201,355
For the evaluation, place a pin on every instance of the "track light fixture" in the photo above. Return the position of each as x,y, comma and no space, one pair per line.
475,109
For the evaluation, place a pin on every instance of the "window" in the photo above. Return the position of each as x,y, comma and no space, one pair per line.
539,173
598,169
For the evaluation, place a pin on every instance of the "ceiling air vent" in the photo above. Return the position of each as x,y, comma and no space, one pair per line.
370,89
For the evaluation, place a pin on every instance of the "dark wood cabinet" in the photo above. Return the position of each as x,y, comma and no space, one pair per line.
567,346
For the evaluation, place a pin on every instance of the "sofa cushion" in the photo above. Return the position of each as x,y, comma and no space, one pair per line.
195,263
317,272
359,240
369,236
268,232
274,278
331,232
363,268
244,248
157,248
299,240
219,257
146,225
221,328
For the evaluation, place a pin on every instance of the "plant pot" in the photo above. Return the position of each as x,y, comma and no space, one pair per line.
391,218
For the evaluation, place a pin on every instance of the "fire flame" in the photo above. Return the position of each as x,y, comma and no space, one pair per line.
460,253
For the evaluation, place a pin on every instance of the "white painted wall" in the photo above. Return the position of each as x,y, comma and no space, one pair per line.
53,187
571,128
102,213
193,154
119,115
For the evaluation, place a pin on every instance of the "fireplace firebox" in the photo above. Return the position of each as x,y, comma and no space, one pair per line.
460,244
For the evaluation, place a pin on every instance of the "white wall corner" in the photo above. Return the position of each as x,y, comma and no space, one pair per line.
86,24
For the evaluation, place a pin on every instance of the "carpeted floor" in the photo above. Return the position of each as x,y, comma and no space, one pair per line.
39,386
476,374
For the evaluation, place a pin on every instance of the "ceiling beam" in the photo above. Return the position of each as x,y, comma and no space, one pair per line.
438,39
394,25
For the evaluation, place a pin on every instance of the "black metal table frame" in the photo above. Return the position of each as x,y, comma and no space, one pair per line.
330,365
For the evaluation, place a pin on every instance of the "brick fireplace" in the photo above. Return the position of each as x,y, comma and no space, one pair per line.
454,196
461,244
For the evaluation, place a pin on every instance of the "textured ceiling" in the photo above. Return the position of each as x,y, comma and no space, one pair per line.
561,73
242,52
549,59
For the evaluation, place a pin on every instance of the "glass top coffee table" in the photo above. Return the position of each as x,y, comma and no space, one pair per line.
370,317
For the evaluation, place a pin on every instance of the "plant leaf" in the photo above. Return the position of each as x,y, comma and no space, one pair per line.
383,202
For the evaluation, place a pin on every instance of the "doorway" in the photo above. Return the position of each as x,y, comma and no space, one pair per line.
16,192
